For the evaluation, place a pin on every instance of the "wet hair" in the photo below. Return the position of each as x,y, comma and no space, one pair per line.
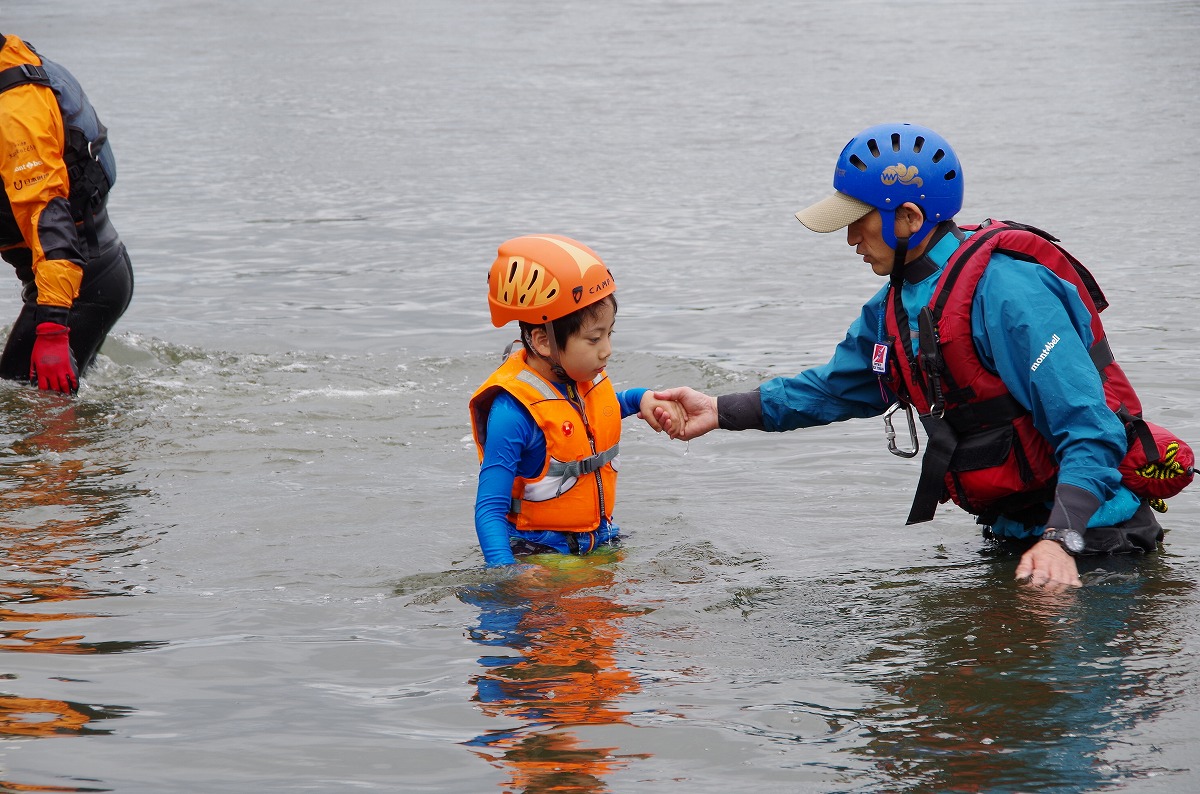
569,325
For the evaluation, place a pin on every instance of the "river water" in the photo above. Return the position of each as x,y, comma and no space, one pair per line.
242,559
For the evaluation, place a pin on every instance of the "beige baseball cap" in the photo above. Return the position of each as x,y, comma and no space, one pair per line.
835,212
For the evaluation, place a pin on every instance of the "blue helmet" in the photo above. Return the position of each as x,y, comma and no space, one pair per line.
885,166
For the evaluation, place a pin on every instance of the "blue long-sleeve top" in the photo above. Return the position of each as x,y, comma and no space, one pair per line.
1017,309
516,447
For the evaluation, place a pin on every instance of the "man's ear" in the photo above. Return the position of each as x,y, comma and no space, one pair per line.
909,218
539,340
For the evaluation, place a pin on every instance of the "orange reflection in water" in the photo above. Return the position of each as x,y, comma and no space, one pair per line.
57,513
44,717
566,631
48,517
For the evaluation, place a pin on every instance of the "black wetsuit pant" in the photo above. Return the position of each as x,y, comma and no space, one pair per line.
1141,533
104,294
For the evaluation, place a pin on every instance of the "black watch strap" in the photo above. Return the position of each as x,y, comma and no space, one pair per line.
1069,539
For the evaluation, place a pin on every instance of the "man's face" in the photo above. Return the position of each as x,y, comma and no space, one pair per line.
866,235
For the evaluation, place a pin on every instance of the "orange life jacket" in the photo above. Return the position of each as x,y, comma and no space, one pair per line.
577,484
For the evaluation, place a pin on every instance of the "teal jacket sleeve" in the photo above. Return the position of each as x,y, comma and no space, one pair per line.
844,388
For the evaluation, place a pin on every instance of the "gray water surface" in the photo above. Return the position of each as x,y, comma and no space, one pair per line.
242,559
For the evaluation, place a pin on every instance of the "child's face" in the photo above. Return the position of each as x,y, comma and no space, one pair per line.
587,350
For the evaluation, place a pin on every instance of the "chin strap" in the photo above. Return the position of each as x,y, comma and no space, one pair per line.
898,263
552,359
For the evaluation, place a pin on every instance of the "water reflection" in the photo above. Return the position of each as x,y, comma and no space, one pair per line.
1001,688
550,665
44,717
60,524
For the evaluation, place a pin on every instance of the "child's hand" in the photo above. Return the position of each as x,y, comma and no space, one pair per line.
699,409
670,411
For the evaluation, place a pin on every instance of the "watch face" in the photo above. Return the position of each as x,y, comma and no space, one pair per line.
1071,540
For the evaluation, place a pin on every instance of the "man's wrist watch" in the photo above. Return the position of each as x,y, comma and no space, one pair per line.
1069,539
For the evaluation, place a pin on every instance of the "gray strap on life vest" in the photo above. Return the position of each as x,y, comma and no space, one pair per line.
589,465
544,389
573,471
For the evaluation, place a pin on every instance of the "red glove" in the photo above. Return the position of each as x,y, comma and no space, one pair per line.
52,366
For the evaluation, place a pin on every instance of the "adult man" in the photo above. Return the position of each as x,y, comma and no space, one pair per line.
1001,354
57,168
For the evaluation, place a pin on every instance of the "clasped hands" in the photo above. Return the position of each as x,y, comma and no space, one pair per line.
683,413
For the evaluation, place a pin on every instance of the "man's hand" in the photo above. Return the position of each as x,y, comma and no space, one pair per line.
651,406
1048,565
52,365
700,409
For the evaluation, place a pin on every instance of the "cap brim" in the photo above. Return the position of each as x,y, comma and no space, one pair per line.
833,213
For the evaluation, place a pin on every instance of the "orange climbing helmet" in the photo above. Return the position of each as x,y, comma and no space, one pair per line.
538,278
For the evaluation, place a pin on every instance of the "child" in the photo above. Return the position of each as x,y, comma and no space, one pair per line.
547,422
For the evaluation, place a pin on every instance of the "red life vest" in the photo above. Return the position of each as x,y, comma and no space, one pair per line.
983,450
578,482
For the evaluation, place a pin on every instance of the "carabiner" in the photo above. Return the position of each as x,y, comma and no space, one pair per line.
891,432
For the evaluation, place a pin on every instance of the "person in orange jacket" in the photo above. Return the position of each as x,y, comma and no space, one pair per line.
57,167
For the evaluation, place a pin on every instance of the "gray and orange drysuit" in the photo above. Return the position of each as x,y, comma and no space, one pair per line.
57,168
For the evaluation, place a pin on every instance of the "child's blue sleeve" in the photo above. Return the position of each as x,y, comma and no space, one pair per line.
512,438
631,401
